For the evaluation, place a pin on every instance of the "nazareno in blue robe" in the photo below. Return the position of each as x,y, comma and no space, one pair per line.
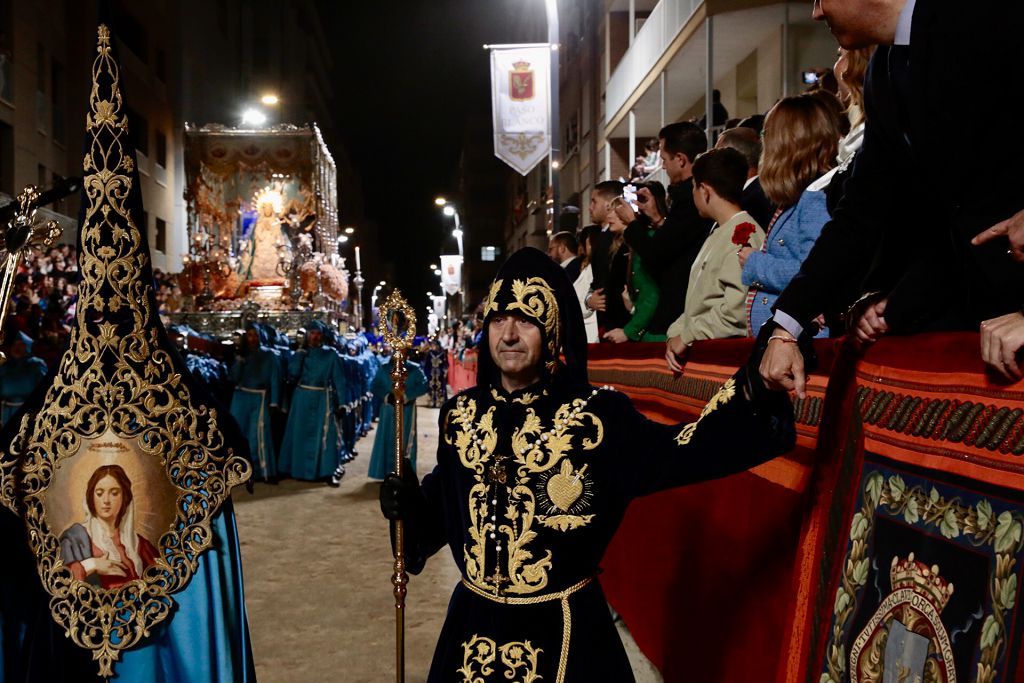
18,378
257,378
382,462
310,448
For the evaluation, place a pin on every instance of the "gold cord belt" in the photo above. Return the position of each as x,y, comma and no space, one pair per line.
562,596
306,386
252,391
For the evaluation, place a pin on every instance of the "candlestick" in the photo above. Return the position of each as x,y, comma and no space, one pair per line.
359,266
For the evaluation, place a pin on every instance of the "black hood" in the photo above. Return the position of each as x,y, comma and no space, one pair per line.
530,284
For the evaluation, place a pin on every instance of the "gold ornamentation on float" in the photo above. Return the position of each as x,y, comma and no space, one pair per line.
519,658
116,381
724,395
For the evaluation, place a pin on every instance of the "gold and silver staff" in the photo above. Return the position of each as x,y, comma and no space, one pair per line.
399,328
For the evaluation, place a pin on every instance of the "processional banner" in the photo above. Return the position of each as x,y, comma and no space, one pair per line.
520,95
451,273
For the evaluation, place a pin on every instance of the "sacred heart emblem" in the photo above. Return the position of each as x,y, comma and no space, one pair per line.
566,487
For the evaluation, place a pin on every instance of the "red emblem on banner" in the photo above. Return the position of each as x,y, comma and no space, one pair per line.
520,82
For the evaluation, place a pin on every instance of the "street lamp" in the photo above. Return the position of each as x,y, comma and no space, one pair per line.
440,201
270,99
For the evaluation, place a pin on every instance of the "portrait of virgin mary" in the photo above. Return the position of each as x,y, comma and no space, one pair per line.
105,550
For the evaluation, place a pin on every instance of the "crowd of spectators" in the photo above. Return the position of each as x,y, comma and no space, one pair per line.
710,257
707,257
44,295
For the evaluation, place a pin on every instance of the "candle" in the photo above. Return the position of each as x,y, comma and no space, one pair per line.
359,265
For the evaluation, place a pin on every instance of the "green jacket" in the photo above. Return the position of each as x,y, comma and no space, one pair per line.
643,290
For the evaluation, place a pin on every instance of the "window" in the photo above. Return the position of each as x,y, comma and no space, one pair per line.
138,131
6,159
145,222
161,65
130,31
160,236
42,120
488,253
161,147
40,67
57,100
41,176
6,54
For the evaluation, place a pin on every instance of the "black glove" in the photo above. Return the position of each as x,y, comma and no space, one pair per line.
401,498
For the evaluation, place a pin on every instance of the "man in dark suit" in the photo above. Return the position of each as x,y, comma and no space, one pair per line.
902,228
564,250
747,142
669,252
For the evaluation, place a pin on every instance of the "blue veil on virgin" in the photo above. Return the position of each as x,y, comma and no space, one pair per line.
121,555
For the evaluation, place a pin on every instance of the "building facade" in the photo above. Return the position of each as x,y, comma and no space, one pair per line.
629,67
201,62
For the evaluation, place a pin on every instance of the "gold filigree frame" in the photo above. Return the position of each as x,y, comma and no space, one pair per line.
396,305
117,376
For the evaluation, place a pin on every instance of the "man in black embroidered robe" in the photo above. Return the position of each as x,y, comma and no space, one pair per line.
534,472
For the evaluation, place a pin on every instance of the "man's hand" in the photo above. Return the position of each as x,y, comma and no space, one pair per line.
1001,339
871,324
743,254
1013,228
675,350
616,335
782,366
596,300
623,210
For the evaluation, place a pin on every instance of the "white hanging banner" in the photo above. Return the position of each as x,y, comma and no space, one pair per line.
438,303
451,273
520,93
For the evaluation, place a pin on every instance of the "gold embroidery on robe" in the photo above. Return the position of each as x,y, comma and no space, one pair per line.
723,396
536,452
519,658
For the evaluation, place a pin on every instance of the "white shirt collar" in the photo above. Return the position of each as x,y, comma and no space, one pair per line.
749,180
904,23
567,261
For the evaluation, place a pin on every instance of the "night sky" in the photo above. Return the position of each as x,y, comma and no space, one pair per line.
406,76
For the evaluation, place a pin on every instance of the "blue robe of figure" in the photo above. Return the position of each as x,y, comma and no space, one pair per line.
204,640
382,462
18,378
310,448
258,388
377,400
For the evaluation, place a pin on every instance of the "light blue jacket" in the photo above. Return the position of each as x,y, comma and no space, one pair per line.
767,273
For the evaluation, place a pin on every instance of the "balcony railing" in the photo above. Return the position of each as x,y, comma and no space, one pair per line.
649,44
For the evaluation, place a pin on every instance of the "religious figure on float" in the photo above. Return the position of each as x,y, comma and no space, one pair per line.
260,254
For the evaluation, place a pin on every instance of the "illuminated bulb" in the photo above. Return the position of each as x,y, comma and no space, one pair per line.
269,99
448,210
253,117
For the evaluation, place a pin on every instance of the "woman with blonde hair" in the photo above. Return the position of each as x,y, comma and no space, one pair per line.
801,140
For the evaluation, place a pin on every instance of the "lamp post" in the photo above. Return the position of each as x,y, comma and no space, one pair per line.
449,209
551,7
